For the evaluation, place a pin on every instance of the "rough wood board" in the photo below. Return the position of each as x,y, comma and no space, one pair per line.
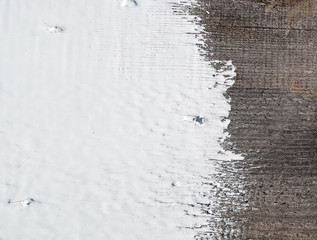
273,45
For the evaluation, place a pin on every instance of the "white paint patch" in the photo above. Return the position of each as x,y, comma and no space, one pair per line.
91,121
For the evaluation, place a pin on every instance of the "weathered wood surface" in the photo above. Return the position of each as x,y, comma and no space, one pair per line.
273,45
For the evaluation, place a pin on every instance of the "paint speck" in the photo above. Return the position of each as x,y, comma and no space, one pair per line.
129,3
54,29
21,203
199,119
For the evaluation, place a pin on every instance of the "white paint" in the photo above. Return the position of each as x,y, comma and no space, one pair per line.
91,121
